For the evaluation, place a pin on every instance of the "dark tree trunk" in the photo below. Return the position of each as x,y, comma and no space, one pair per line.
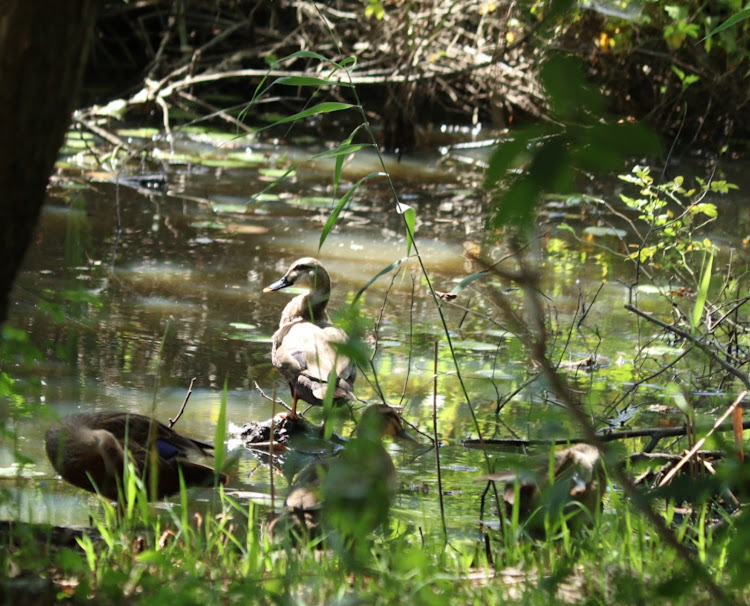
43,47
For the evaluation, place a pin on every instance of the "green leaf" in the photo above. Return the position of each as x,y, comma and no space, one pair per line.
468,280
569,92
509,154
342,150
380,274
151,556
733,20
331,222
340,158
410,219
700,299
707,208
309,81
306,54
321,108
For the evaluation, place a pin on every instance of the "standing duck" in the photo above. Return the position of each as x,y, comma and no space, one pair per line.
304,346
88,451
352,492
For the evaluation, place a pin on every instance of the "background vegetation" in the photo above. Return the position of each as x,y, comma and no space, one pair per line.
273,65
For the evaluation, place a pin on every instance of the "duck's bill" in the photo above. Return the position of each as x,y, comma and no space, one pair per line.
283,283
403,435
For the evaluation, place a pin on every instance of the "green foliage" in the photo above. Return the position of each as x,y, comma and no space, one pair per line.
375,9
16,350
674,215
731,22
553,155
680,28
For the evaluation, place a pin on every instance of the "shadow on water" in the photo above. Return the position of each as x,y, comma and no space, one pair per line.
128,294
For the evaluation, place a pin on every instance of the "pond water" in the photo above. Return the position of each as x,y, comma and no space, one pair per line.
129,293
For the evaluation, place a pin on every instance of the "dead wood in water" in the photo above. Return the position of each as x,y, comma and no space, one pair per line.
655,433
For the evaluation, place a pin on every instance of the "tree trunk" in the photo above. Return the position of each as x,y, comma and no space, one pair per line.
43,46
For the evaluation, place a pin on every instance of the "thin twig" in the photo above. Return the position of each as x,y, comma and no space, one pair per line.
272,399
271,445
699,343
184,403
534,340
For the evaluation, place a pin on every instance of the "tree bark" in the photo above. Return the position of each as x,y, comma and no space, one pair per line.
43,46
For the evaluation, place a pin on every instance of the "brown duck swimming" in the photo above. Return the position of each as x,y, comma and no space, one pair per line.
304,346
88,451
352,492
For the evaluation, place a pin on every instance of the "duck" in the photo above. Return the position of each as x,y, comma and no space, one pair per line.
350,494
304,348
88,450
578,482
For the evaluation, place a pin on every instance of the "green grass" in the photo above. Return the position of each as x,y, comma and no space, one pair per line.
221,555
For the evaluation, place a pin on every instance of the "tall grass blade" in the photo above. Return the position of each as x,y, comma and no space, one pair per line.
220,433
700,299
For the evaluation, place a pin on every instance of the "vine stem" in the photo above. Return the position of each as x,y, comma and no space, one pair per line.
437,442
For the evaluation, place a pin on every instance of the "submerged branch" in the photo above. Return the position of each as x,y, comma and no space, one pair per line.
655,433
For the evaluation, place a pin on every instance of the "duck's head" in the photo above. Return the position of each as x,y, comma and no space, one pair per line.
381,420
303,272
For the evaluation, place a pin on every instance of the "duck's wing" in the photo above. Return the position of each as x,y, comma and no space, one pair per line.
137,429
308,353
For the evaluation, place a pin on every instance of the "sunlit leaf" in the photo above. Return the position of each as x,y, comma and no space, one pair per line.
410,218
601,230
706,208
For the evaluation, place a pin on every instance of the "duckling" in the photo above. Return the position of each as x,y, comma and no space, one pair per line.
88,451
304,346
352,493
578,477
